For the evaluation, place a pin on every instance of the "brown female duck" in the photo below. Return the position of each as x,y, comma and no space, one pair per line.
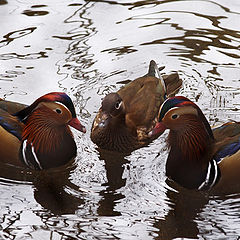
126,116
38,136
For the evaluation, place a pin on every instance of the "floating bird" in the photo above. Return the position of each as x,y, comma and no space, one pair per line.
200,157
38,136
126,116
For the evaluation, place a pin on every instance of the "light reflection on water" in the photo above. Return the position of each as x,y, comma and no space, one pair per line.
74,47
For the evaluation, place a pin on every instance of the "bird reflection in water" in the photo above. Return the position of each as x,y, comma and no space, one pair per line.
51,191
114,164
49,186
180,221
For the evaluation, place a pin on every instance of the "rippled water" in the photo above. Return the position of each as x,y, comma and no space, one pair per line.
88,49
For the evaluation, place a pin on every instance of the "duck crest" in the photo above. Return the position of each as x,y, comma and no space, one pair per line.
60,97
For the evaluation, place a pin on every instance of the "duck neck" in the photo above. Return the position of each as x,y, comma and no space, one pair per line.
45,143
190,156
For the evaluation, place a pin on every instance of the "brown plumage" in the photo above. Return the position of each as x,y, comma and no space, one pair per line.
125,117
200,157
191,139
38,136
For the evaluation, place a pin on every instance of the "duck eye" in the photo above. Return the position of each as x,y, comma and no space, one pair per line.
174,116
117,105
59,111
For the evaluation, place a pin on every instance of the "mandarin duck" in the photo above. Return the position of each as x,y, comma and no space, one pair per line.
200,157
126,116
38,136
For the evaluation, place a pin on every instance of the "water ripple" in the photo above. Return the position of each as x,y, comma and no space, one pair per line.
8,38
29,56
31,13
74,47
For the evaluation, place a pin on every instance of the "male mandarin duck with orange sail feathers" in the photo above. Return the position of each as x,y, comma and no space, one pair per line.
126,116
38,136
200,157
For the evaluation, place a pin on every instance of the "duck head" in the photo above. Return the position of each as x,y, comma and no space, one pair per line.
59,105
179,114
112,110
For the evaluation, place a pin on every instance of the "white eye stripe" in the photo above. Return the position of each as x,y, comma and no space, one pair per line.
160,109
167,111
43,103
172,109
182,110
62,105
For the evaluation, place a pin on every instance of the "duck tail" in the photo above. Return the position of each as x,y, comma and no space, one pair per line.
154,71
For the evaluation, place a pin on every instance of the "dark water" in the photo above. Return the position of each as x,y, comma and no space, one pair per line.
87,48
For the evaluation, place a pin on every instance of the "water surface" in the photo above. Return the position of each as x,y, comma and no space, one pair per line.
88,49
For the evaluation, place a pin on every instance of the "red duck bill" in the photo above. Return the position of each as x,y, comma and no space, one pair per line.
158,129
75,123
